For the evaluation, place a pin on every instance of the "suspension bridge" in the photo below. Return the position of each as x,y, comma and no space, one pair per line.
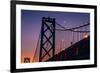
59,43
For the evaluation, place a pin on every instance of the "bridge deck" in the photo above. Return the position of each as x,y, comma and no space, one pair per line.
78,51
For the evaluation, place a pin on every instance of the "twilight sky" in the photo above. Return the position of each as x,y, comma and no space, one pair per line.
31,23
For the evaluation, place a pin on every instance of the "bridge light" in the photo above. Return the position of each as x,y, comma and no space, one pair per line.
62,40
86,36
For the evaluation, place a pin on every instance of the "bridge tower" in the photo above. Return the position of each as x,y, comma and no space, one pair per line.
47,43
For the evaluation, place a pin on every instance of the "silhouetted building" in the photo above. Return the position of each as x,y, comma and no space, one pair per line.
27,60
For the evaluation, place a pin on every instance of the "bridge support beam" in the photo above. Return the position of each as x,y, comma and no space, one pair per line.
47,43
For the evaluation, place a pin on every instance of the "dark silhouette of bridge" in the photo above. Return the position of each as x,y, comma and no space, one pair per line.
58,43
78,51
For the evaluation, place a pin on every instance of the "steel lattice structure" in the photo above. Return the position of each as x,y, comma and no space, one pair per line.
48,26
